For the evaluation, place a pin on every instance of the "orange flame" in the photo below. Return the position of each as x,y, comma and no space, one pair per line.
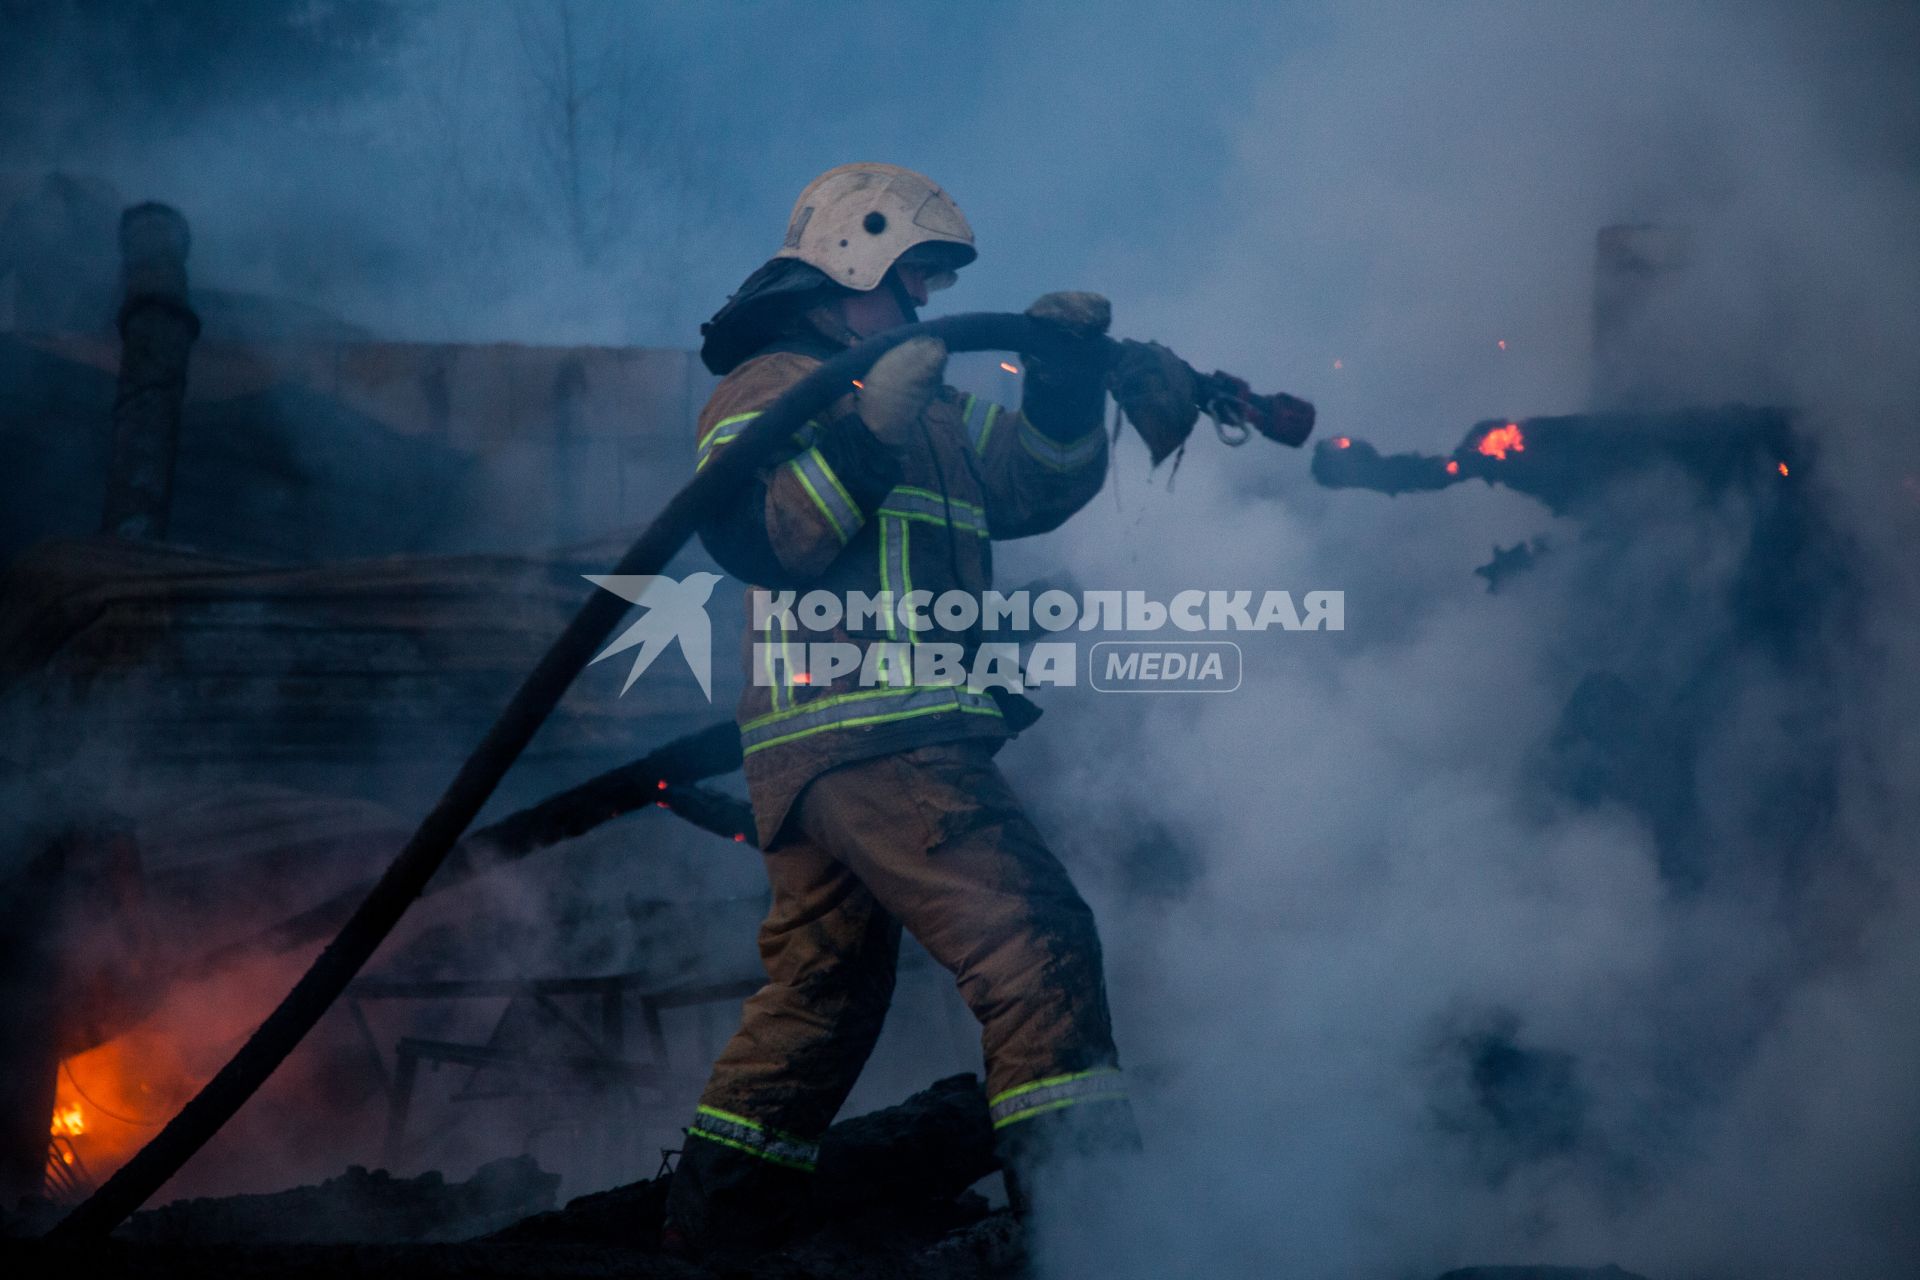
1342,442
1009,368
1453,467
1783,468
68,1121
1499,441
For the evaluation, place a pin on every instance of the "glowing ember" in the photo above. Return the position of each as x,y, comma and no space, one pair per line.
1009,368
1453,467
803,677
1498,442
738,838
68,1121
1783,468
1342,442
1503,344
859,384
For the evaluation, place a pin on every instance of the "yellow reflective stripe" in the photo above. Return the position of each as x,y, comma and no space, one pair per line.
979,434
800,473
858,721
931,496
717,437
993,416
742,1134
1060,1105
837,700
786,656
773,685
965,526
1102,1084
1007,1095
734,1117
724,423
902,571
834,480
888,529
904,502
824,487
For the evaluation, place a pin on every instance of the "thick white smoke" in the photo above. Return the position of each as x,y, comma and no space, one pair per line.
1386,874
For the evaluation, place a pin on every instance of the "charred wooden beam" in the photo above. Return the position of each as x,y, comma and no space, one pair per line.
1568,462
929,1148
157,331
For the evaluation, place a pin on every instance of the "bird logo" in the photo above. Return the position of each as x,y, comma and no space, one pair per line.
675,610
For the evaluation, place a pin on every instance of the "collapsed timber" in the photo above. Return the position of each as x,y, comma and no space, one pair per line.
894,1198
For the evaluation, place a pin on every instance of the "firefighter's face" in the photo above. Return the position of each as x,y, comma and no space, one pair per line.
878,310
910,281
913,279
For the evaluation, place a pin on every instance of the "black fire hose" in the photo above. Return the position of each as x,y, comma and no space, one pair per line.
538,694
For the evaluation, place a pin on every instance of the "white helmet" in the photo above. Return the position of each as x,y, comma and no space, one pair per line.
856,221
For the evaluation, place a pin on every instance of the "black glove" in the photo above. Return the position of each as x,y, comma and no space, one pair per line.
1156,391
1064,396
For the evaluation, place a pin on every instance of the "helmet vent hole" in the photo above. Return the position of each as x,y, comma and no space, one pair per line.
875,223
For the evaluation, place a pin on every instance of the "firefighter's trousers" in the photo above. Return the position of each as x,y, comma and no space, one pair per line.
932,839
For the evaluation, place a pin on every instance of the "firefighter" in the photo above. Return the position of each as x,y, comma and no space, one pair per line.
880,807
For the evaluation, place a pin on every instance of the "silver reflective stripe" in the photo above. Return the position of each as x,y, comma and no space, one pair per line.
742,1134
852,710
824,487
979,416
906,503
1062,457
1103,1084
895,581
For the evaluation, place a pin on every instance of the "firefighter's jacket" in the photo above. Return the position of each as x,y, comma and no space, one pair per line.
843,513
